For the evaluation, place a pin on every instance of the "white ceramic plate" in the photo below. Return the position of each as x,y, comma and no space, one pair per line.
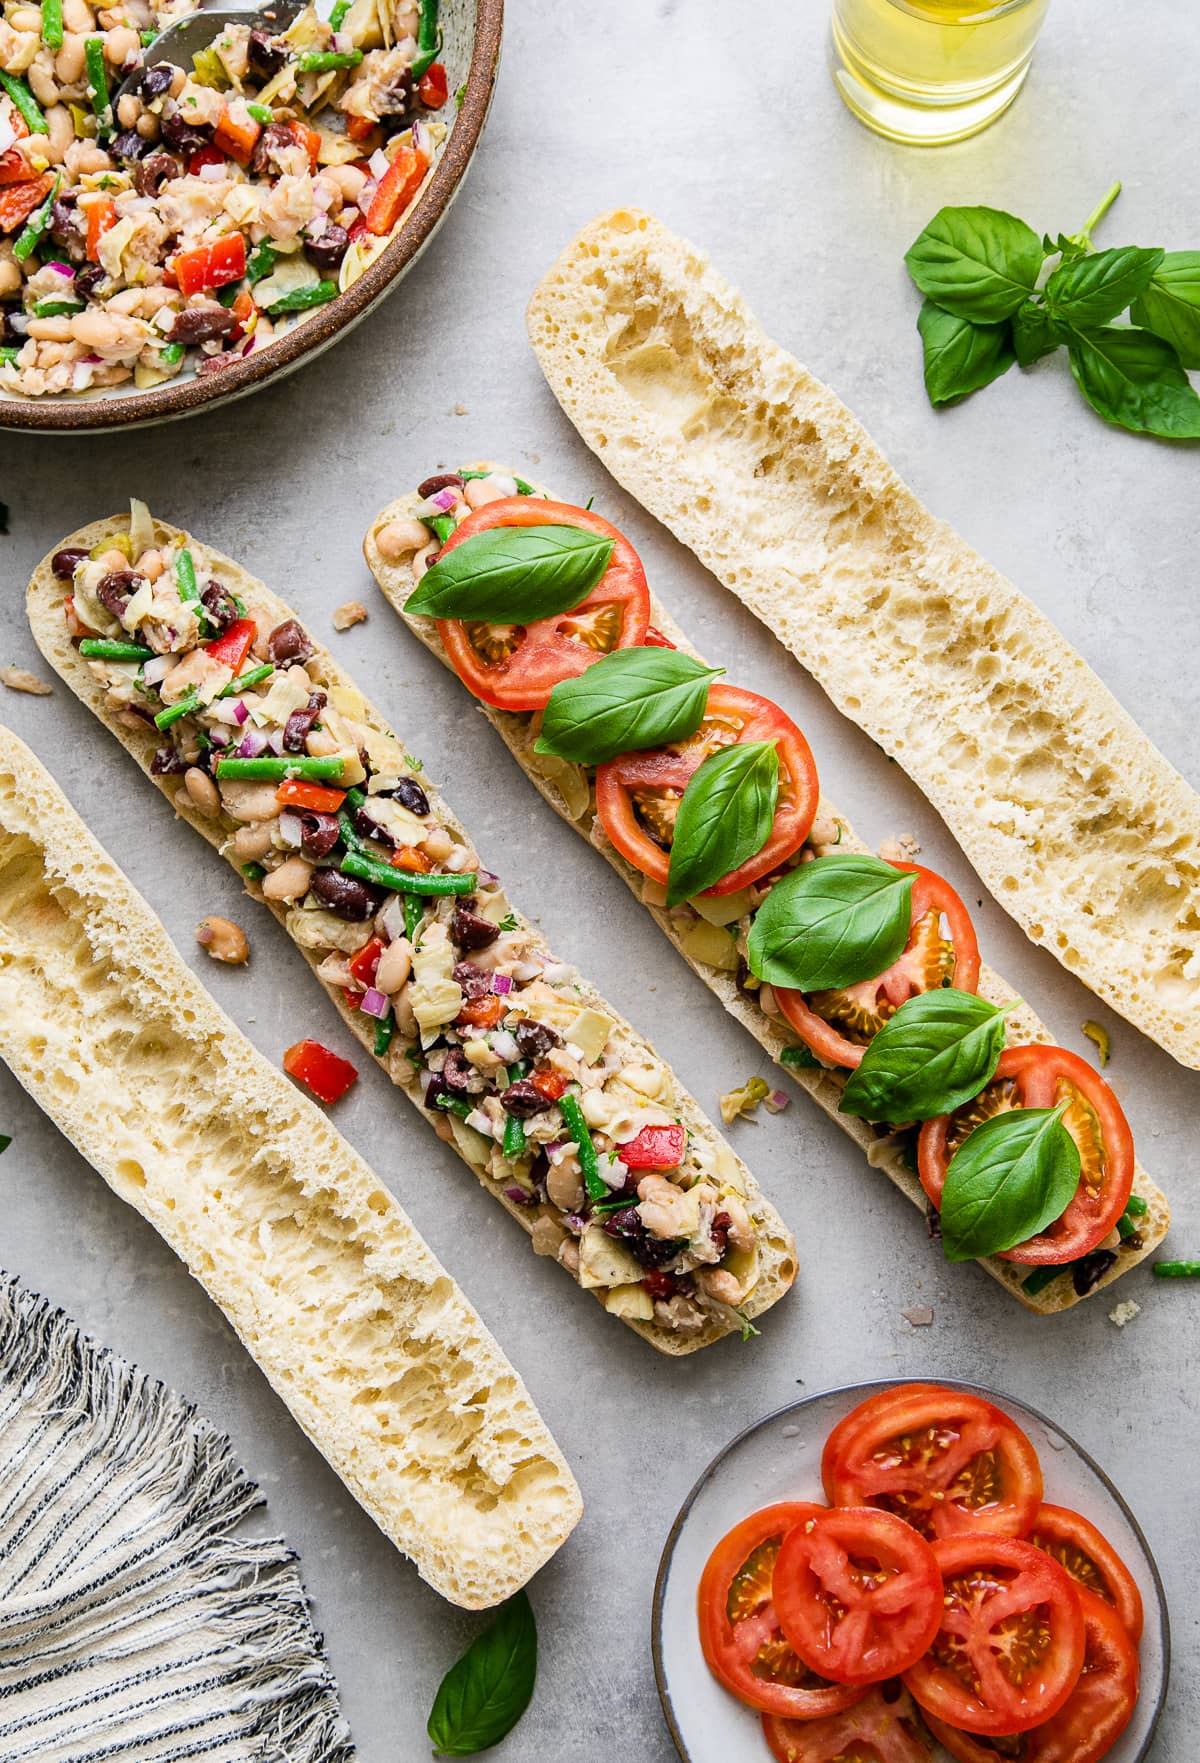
780,1459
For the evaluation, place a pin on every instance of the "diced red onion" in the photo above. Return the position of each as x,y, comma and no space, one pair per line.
520,1196
248,345
291,829
158,669
62,269
507,486
275,741
575,1222
779,1100
422,140
505,1044
343,42
486,876
367,195
391,918
501,984
220,737
375,1003
252,743
479,1120
240,713
379,163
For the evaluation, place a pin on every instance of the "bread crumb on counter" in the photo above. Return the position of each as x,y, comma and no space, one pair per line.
1124,1312
920,1316
17,679
348,613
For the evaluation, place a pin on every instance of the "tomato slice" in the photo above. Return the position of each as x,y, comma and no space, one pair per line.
1042,1077
838,1025
1092,1718
946,1461
739,1630
638,794
1010,1645
1091,1560
857,1593
516,666
882,1728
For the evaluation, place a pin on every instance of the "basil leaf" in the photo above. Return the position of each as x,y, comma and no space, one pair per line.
725,816
1009,1179
831,923
960,355
936,1052
632,699
1033,333
1088,291
1170,305
978,263
482,1697
1134,378
513,574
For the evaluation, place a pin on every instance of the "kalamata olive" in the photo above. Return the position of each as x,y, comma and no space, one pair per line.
266,57
130,145
168,762
469,930
152,82
436,1090
218,604
319,833
183,136
345,896
442,480
299,724
718,1230
1089,1270
289,642
65,220
88,279
114,591
149,175
523,1100
410,795
197,324
327,251
628,1228
65,562
276,141
395,102
9,335
473,981
367,827
458,1070
661,1285
535,1039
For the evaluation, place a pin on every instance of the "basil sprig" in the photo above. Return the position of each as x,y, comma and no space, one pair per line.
513,574
935,1053
632,699
979,271
725,816
482,1697
831,923
1008,1180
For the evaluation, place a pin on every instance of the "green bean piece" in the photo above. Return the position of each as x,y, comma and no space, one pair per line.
170,354
56,308
300,299
102,649
338,14
589,1163
185,575
189,702
244,681
351,837
97,78
261,113
52,24
253,871
8,354
1040,1278
35,226
414,912
1126,1228
279,770
26,103
453,1105
800,1059
383,1035
441,524
402,881
1176,1270
1136,1206
429,38
327,60
147,37
513,1145
260,262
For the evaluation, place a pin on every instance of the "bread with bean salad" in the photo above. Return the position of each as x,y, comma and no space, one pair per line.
862,978
565,1114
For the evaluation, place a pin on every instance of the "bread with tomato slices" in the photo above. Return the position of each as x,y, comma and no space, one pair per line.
1078,826
377,1353
570,792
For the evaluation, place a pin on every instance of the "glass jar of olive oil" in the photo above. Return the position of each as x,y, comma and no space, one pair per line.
931,71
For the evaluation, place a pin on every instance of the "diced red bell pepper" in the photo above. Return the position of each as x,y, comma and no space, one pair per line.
409,858
18,201
205,156
352,1000
310,140
549,1083
101,217
212,265
654,639
433,88
365,964
655,1147
295,793
233,645
481,1013
359,127
243,309
235,137
397,187
319,1070
14,167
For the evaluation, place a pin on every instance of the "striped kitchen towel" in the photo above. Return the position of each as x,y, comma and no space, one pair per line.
139,1622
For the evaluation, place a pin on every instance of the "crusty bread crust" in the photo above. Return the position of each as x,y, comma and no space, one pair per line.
357,1326
44,604
519,735
1075,822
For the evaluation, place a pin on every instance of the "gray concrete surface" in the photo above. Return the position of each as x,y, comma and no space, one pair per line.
723,121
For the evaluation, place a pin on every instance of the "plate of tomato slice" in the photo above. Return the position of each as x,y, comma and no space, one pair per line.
909,1573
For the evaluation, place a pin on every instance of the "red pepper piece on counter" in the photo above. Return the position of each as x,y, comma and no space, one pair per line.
212,265
366,963
235,137
549,1083
654,639
655,1147
482,1013
397,187
233,645
409,858
18,201
433,88
204,156
295,793
101,217
319,1070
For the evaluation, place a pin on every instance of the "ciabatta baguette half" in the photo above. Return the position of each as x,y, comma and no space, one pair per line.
568,790
358,1328
777,1256
1073,819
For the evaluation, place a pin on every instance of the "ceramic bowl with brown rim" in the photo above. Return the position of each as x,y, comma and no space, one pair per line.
470,54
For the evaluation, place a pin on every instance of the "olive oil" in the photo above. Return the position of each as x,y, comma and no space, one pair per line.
930,71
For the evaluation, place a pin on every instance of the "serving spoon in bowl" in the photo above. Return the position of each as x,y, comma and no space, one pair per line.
199,30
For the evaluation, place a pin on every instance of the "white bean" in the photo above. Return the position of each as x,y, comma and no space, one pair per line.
395,965
400,538
288,882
